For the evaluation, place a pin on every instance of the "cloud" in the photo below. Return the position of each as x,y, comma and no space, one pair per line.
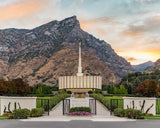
131,59
21,9
9,2
86,23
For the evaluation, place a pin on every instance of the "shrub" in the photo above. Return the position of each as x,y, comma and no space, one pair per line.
149,114
134,114
90,92
119,112
80,109
69,92
79,96
98,91
130,113
10,116
36,112
5,114
20,113
79,114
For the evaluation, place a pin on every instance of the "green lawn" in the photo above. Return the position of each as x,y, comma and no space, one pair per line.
3,117
114,97
156,117
116,101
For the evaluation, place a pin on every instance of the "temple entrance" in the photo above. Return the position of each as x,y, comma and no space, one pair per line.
79,102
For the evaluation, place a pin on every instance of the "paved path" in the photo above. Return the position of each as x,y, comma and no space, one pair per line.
57,110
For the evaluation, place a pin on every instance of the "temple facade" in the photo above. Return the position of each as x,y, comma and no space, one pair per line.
80,83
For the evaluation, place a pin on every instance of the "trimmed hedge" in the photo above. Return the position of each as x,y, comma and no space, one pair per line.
90,92
20,113
53,101
80,109
107,101
36,112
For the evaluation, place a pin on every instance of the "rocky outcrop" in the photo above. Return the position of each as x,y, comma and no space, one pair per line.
29,53
155,66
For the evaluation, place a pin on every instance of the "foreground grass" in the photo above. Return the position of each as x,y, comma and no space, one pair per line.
156,117
3,117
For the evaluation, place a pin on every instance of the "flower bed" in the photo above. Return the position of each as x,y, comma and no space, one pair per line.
80,109
79,114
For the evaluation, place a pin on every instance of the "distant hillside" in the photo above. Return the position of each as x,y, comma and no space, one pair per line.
155,66
42,54
143,66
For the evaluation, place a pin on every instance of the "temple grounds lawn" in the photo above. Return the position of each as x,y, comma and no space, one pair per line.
3,117
156,117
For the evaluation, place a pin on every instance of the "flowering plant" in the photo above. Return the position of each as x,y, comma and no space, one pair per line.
79,114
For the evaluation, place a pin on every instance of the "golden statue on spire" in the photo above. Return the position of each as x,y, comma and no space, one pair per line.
80,44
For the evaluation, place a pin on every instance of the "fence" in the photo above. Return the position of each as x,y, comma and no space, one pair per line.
115,103
43,103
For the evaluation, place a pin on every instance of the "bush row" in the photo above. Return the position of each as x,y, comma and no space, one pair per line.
36,112
25,113
80,109
130,113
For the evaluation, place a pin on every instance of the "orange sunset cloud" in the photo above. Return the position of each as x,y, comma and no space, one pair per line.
22,9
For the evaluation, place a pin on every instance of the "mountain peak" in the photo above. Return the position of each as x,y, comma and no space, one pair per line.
36,54
155,66
71,21
71,18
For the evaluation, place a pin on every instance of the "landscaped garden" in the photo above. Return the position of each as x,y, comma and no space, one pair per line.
23,113
116,104
80,111
42,104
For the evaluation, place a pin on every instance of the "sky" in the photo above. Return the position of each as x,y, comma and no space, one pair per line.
131,27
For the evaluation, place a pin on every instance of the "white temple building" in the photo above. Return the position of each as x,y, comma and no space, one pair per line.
80,83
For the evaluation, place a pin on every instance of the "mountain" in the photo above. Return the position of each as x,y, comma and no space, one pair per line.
155,66
44,53
143,66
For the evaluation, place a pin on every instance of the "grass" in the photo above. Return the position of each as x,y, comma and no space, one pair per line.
156,117
116,101
3,117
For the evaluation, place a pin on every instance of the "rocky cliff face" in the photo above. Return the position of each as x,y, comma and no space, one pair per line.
44,53
155,66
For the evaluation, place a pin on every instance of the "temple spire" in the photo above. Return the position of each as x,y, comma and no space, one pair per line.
80,63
